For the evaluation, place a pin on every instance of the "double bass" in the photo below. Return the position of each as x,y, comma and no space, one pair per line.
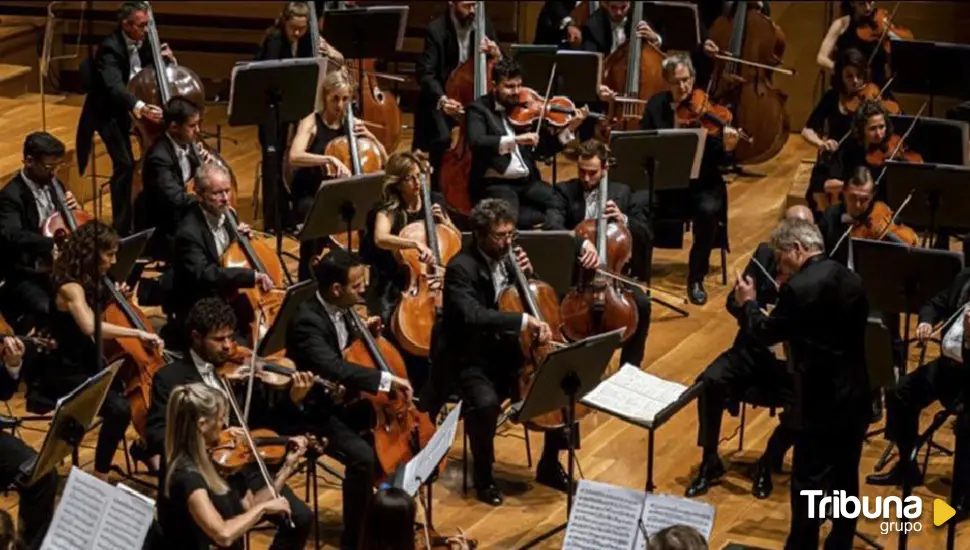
418,309
467,83
400,430
637,71
744,81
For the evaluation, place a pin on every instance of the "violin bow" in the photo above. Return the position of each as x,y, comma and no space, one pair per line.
545,100
900,144
765,271
252,364
896,213
885,33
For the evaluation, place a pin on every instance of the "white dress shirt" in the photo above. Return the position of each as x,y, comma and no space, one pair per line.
42,197
220,234
182,153
593,204
338,318
206,370
507,146
463,33
619,33
952,345
134,63
500,277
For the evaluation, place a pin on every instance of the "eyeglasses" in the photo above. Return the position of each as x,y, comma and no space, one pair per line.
504,235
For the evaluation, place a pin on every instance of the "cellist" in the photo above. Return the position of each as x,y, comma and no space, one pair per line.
315,340
446,46
79,270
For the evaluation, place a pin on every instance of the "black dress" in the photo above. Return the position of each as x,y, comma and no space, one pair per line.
828,121
850,39
178,528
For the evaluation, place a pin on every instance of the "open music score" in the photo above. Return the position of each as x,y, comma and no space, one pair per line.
634,395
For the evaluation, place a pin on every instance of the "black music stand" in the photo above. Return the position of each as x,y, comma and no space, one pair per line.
638,164
375,32
337,204
938,140
552,253
567,374
275,338
273,93
678,21
931,68
130,249
73,417
941,194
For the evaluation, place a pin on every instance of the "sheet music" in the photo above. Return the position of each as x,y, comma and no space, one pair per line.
604,517
93,515
420,468
662,511
634,395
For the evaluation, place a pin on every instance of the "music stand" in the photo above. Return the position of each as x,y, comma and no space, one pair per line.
927,68
566,375
552,253
275,338
678,21
129,250
638,157
273,93
938,140
73,417
941,194
337,203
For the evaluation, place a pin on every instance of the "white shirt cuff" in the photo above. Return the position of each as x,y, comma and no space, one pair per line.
506,145
566,135
660,39
385,385
139,106
626,219
14,371
525,322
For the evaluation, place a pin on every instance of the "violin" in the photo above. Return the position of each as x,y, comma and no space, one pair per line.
698,111
538,299
878,26
261,307
419,306
597,305
635,70
893,148
277,375
870,92
233,452
879,224
559,110
400,430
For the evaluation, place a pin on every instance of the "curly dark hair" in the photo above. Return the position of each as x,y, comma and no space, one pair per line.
866,111
80,255
489,212
209,314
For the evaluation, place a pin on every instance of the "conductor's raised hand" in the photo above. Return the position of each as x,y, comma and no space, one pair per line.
744,290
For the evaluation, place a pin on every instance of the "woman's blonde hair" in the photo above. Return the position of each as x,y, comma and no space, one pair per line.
184,442
399,166
333,81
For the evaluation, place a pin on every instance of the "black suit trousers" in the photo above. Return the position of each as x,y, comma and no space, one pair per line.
287,538
536,202
357,455
827,461
634,348
114,133
37,500
707,212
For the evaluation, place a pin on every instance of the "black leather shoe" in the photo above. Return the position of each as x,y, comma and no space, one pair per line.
896,476
696,293
709,474
762,482
490,495
552,474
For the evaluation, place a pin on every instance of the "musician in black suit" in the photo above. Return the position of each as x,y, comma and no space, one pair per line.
857,200
503,162
211,326
447,44
109,105
556,27
707,195
25,202
581,199
315,339
610,26
202,238
168,166
748,371
821,312
36,500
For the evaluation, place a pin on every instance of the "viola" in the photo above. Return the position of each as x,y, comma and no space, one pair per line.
893,148
637,71
878,224
870,92
400,430
559,110
698,111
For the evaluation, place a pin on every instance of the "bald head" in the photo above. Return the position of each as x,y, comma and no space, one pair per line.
799,212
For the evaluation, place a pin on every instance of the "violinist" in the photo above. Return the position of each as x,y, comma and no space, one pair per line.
447,45
109,105
25,202
202,237
307,156
707,194
556,27
504,162
747,371
871,131
37,500
315,340
844,34
211,325
581,198
197,508
79,270
479,344
168,167
400,205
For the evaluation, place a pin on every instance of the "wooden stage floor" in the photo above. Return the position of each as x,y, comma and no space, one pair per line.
612,451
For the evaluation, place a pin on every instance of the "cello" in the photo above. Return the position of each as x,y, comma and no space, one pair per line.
400,430
468,82
636,70
743,80
597,305
416,312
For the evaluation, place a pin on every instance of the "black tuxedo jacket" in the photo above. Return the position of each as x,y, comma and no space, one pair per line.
106,85
196,267
20,238
548,29
822,312
311,342
163,200
944,304
438,60
598,32
573,192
